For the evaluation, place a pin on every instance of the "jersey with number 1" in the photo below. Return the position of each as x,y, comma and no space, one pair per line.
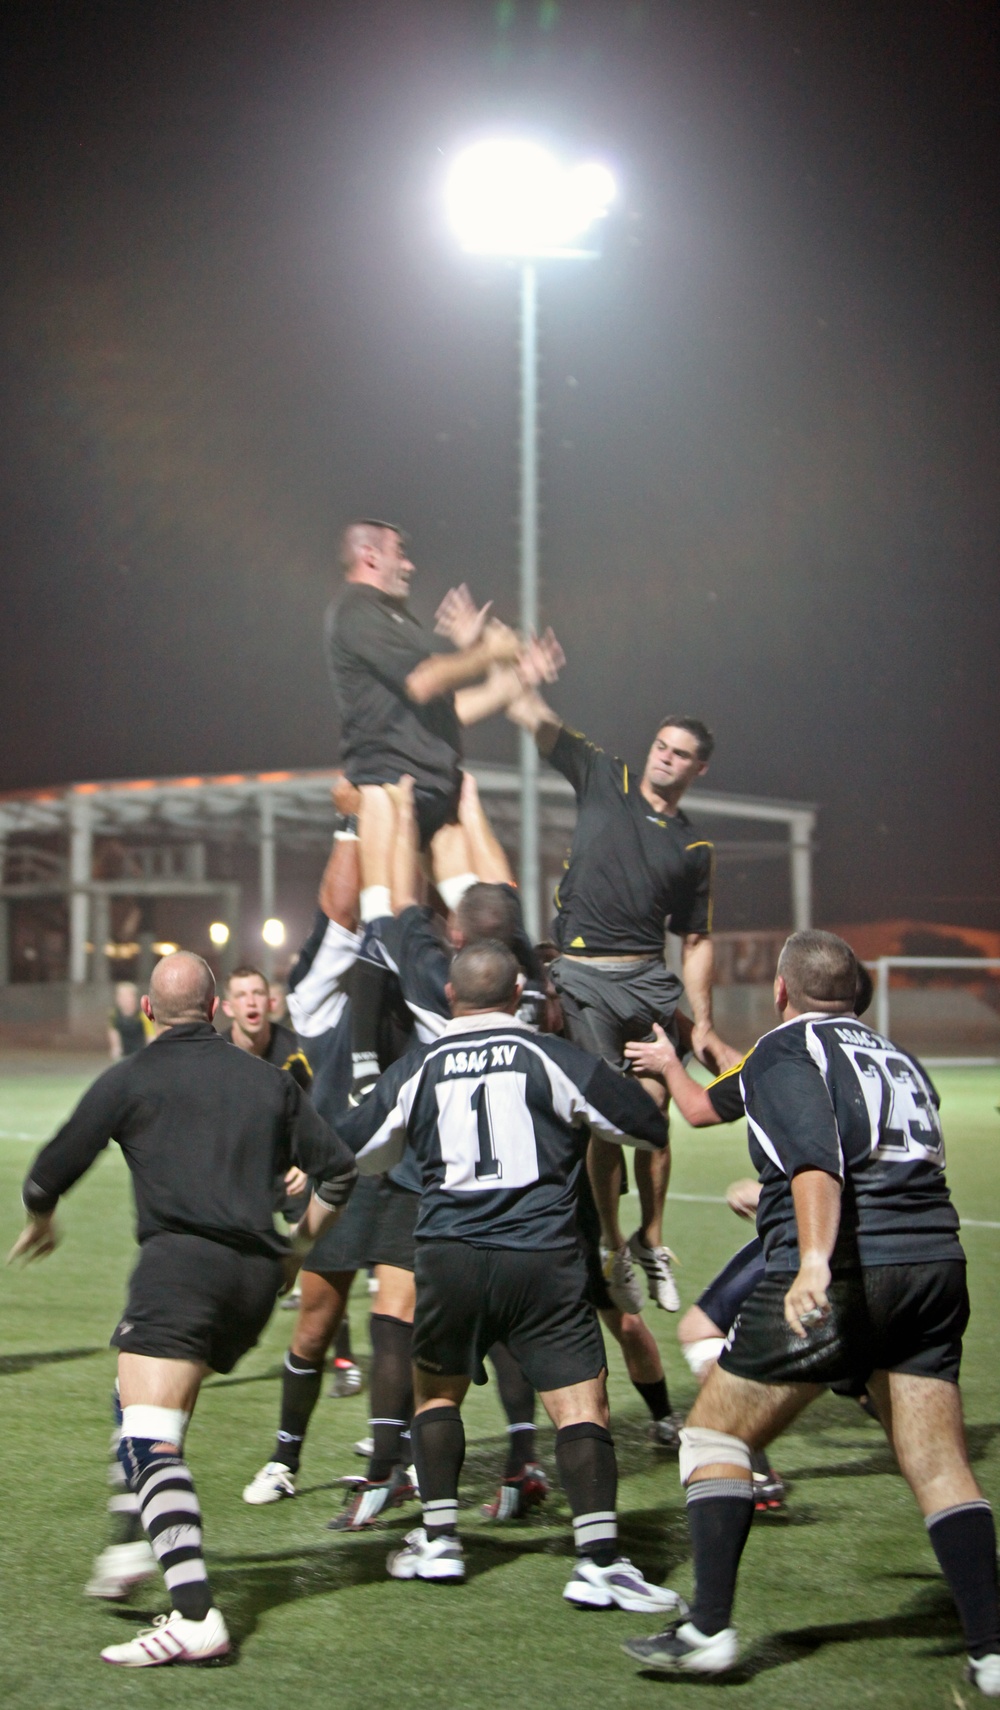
497,1119
827,1093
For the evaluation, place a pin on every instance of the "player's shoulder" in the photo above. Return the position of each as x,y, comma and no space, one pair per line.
785,1043
693,835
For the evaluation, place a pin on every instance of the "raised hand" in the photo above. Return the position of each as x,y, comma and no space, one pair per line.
459,619
541,660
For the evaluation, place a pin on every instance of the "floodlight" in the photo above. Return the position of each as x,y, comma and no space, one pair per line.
273,933
218,932
513,197
165,948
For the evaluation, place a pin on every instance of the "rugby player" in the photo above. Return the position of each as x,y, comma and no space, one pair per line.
247,1003
864,1280
636,867
204,1130
376,1229
495,1117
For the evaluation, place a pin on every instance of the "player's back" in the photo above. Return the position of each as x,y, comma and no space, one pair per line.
828,1092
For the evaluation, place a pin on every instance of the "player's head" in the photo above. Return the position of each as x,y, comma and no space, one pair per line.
484,977
277,999
126,997
247,1001
486,911
680,752
816,971
181,989
374,552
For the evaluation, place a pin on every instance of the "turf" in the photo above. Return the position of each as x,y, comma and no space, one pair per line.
840,1601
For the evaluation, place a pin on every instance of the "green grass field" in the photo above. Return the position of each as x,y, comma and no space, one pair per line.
840,1601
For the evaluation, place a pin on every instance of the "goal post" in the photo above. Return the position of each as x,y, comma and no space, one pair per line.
944,1008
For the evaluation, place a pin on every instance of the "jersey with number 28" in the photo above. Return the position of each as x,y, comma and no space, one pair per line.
825,1092
497,1120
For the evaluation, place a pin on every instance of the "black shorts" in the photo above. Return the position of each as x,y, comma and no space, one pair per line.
894,1318
192,1299
381,1233
605,1007
531,1300
725,1294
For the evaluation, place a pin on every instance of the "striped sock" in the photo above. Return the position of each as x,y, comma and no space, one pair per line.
171,1518
588,1473
439,1451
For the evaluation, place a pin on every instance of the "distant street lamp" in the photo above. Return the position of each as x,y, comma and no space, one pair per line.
273,933
218,932
512,198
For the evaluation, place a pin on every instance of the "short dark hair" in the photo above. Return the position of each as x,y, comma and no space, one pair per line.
865,991
350,537
695,728
820,970
245,971
489,911
484,975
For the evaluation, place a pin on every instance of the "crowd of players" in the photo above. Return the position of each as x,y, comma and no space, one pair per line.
449,1116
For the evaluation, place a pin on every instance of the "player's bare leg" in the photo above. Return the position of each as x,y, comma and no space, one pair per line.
158,1397
923,1419
645,1368
377,840
451,864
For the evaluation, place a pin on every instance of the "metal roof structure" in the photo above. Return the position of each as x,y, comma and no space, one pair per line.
290,810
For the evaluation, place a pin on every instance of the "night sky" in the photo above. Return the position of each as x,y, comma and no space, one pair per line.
233,317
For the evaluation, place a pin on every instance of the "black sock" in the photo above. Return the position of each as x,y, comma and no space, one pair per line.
518,1400
438,1452
301,1382
391,1391
342,1345
719,1513
964,1540
655,1396
588,1473
366,986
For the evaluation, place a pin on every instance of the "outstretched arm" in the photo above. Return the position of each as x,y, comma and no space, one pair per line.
658,1057
534,715
489,859
443,673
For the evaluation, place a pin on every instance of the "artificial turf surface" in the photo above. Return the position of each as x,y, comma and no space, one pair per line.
840,1601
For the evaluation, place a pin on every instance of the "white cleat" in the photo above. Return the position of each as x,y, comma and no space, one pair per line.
273,1483
119,1569
656,1262
984,1672
172,1639
683,1650
622,1279
365,1447
427,1558
619,1586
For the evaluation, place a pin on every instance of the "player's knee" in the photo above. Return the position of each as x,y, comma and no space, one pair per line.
150,1437
701,1447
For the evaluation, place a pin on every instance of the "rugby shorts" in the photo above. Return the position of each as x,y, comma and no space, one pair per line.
382,1233
605,1007
725,1294
194,1299
894,1318
531,1299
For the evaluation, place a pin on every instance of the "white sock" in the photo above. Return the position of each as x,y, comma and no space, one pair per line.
375,902
451,891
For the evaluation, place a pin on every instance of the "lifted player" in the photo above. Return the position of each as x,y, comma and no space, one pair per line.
495,1117
636,867
864,1280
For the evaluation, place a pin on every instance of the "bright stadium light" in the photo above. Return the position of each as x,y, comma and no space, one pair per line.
511,197
165,947
273,933
218,932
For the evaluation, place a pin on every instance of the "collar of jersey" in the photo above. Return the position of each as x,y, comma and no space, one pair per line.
816,1015
494,1021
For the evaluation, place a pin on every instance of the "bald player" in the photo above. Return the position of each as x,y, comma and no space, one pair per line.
205,1130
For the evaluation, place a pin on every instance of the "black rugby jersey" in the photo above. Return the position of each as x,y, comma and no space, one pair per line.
320,1006
205,1130
631,873
373,642
725,1093
284,1051
411,946
497,1119
826,1093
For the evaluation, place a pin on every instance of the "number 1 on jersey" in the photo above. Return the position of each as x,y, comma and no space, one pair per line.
488,1167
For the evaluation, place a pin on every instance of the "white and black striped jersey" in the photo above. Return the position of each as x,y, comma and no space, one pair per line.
826,1093
497,1120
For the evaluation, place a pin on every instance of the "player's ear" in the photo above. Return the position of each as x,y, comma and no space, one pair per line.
147,1008
780,994
213,1012
227,1008
449,992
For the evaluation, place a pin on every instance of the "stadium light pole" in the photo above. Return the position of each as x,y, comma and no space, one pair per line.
515,200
